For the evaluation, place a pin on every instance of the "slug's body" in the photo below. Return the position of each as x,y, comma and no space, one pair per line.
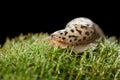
77,35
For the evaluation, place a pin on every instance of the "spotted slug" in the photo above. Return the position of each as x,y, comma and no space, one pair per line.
78,35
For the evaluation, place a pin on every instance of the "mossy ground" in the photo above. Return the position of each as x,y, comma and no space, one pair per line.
25,58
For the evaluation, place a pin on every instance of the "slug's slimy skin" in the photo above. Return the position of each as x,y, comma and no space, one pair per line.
78,35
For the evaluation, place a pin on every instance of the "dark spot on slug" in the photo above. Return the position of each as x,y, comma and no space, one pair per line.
75,39
79,40
91,31
75,27
72,30
61,33
77,43
79,31
66,33
83,27
84,38
87,24
63,38
70,40
59,37
72,36
94,32
87,33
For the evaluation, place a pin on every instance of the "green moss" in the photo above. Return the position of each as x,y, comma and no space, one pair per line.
26,58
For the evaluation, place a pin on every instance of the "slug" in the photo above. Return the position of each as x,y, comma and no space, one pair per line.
78,35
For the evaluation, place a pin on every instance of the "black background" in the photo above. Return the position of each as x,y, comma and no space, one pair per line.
48,17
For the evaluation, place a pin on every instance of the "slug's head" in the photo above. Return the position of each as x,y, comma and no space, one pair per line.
59,36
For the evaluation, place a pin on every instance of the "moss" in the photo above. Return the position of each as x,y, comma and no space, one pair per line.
25,58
